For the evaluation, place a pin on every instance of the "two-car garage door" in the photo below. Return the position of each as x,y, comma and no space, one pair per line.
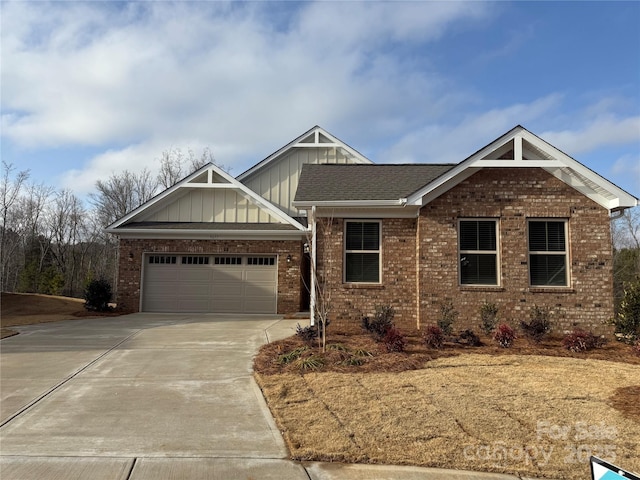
210,283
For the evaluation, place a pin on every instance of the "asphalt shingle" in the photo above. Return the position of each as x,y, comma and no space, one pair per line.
330,182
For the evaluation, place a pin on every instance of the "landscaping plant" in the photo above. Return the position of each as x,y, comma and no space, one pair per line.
382,321
627,320
580,340
97,295
538,325
433,337
448,315
488,317
394,341
505,335
469,337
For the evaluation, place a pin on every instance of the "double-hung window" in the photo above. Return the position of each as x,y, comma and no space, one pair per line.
478,252
548,253
362,251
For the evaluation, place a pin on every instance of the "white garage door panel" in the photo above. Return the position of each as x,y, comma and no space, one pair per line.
193,304
192,274
208,284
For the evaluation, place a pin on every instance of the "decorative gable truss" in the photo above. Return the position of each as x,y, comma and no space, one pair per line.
209,203
276,177
520,148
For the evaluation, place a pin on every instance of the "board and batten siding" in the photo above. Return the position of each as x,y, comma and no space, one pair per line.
212,205
278,181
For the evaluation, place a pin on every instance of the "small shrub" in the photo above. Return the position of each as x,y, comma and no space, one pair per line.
636,348
308,334
504,335
291,356
361,352
488,317
97,295
354,361
448,315
382,321
314,362
433,337
394,341
581,341
627,320
538,325
470,338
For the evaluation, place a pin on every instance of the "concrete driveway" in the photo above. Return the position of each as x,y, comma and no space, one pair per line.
139,396
153,397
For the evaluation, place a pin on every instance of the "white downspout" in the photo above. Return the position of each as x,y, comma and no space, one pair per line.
312,299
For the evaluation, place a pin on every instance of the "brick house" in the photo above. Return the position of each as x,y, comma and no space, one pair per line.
519,223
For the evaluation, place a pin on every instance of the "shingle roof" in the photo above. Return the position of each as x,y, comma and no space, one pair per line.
330,182
208,226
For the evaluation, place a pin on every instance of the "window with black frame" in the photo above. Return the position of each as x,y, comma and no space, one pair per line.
548,253
362,252
478,252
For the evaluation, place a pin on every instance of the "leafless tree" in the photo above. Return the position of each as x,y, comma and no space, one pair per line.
175,165
10,189
122,193
319,237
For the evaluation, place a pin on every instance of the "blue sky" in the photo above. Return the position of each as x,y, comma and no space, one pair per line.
89,89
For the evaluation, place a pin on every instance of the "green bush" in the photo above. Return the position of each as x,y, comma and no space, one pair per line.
448,315
97,295
538,325
488,317
381,323
627,320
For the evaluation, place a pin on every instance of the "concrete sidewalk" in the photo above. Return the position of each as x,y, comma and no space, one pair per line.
152,396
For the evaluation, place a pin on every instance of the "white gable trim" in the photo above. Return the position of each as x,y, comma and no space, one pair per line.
312,138
229,182
556,162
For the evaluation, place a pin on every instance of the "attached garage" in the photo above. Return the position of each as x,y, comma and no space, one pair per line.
210,283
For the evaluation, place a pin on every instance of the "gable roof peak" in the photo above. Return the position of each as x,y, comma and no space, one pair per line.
314,137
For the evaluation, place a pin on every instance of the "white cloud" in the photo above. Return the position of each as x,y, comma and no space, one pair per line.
628,167
441,143
241,78
605,130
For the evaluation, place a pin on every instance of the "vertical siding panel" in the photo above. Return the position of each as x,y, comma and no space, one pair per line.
231,198
196,206
184,208
174,212
207,206
241,203
218,206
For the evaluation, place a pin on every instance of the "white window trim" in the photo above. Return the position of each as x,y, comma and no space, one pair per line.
565,253
496,252
345,251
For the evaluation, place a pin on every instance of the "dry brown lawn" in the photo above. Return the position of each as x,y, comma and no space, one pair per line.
498,410
29,308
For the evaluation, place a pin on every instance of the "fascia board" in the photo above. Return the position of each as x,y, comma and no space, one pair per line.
167,234
377,212
306,204
160,196
474,162
271,208
624,198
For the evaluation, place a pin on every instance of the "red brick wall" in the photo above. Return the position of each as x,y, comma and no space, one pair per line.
350,302
130,269
513,196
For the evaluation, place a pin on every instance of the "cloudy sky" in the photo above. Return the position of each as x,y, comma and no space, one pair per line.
92,88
